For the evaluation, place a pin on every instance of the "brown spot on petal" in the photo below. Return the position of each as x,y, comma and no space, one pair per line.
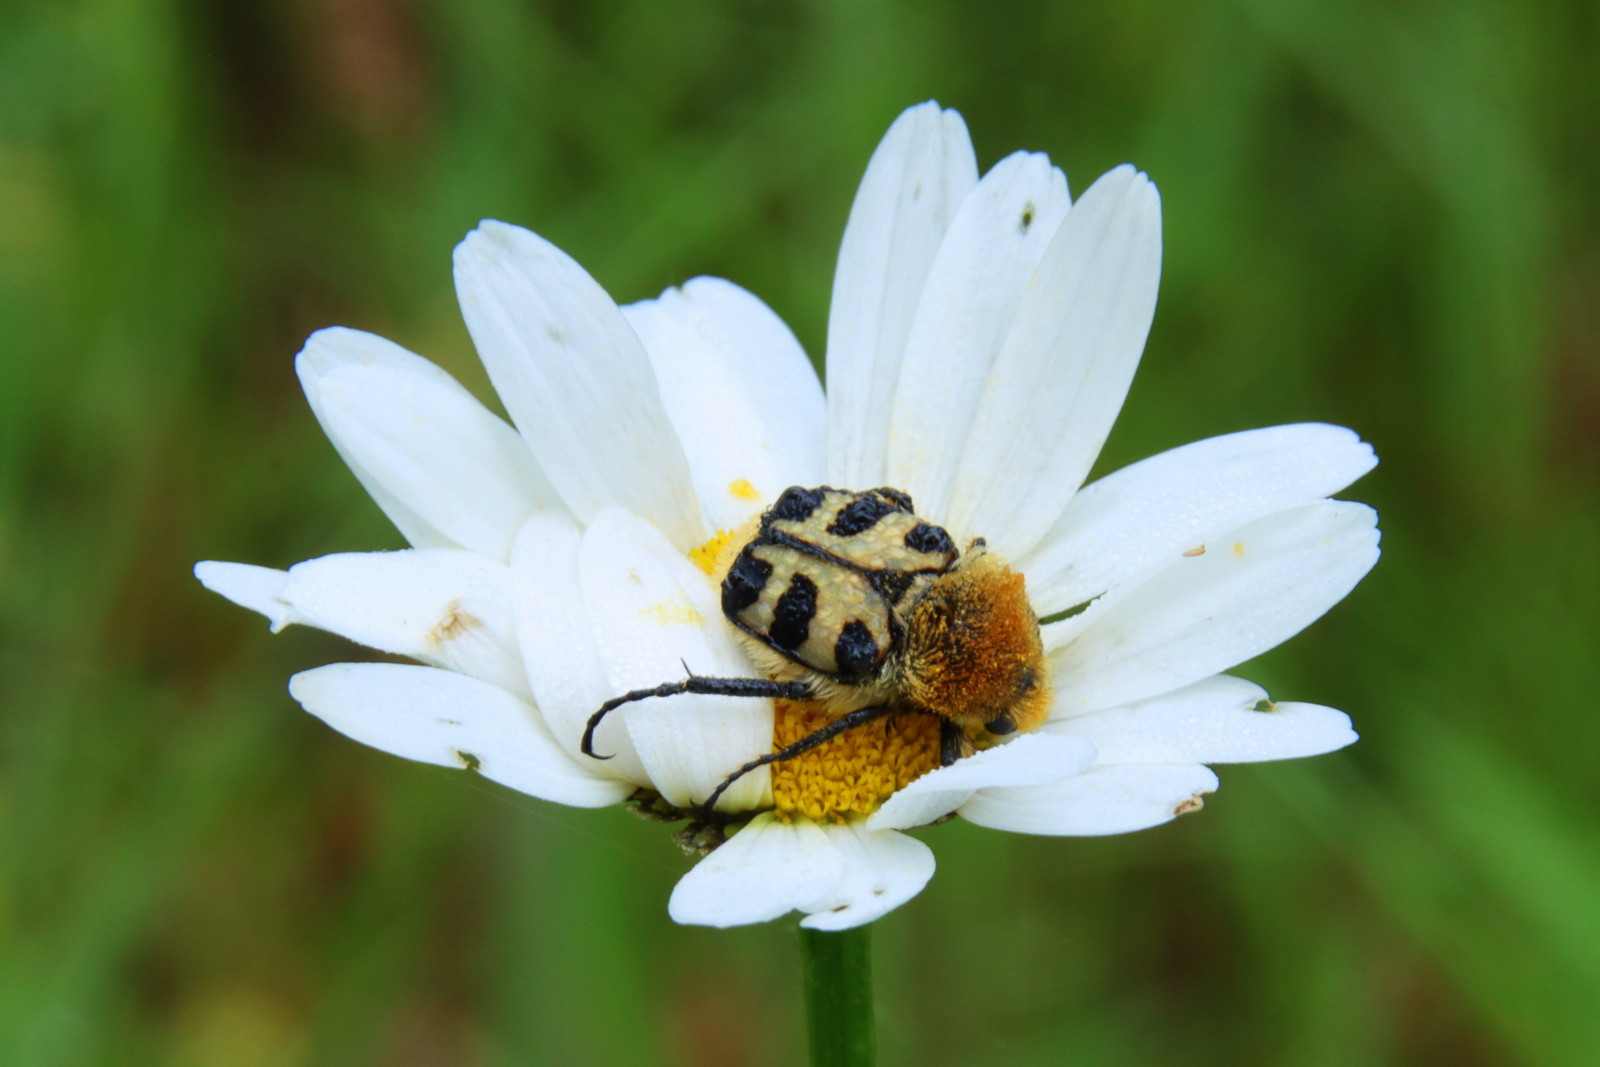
1194,803
454,623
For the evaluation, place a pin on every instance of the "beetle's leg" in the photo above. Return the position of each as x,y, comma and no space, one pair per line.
859,717
950,738
721,687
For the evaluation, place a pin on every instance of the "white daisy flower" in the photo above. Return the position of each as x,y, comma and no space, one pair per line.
983,335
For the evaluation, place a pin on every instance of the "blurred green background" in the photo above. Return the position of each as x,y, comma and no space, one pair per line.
1376,214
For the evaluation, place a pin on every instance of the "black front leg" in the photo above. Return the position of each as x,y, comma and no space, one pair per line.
950,738
722,687
850,721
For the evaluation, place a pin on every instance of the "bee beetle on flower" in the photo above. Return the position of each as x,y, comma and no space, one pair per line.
850,600
1018,649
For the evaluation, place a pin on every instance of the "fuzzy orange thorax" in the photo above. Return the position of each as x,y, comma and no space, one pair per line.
973,652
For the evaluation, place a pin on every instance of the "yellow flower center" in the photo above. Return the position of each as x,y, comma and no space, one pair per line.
708,557
852,774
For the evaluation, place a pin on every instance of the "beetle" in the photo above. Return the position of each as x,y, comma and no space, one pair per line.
850,600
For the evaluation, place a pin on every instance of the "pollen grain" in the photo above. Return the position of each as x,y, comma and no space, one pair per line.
741,489
673,613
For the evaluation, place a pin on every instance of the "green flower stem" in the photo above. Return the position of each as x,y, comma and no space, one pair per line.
838,980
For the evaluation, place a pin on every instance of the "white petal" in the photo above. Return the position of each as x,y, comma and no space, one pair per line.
1032,759
451,720
574,378
967,308
740,392
1214,721
257,588
1260,585
882,870
1143,517
654,612
1112,799
915,181
444,606
443,468
556,636
843,875
765,870
1065,366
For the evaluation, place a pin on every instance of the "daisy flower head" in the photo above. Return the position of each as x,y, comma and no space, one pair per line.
682,560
